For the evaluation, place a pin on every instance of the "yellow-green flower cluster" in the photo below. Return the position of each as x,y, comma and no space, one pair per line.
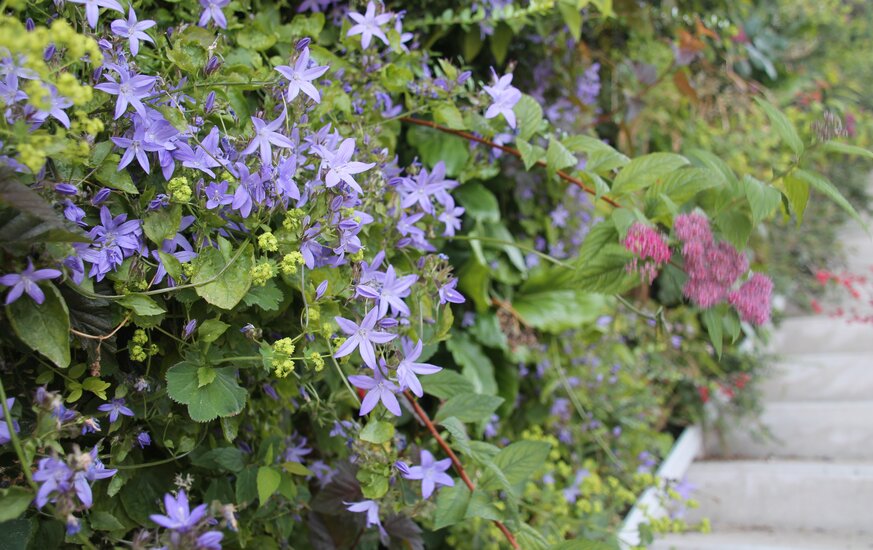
317,361
262,272
179,189
283,365
138,350
292,219
291,262
268,243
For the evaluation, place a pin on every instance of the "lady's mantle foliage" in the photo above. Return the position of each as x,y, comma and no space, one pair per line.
225,238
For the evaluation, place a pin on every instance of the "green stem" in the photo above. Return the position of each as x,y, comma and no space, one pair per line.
16,443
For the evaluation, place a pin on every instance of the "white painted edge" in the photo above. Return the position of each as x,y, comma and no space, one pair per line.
688,447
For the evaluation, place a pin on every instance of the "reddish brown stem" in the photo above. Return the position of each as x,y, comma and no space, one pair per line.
509,150
422,415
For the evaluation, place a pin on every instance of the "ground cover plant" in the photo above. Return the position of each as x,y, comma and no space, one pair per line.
330,275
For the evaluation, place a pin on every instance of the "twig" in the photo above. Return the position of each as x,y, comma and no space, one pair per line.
455,461
514,152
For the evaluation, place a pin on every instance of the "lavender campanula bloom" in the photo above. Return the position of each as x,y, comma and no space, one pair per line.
189,328
26,282
133,30
267,135
296,449
217,195
143,439
73,213
5,434
300,77
369,25
212,65
451,216
179,516
130,89
390,293
56,110
339,165
321,289
448,294
100,196
430,472
363,337
212,12
115,408
408,367
378,389
92,9
504,96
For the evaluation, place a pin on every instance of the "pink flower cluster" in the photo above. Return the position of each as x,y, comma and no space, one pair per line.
713,269
648,245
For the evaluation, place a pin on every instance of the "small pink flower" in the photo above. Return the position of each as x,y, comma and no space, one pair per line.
648,245
752,300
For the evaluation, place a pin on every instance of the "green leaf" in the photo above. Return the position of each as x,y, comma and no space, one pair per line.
247,485
600,236
297,469
435,146
645,171
222,396
481,505
559,157
104,521
479,202
230,459
712,321
171,264
530,154
475,365
499,42
474,279
797,193
469,407
460,439
846,149
268,481
763,198
782,126
13,502
449,115
706,159
529,115
96,386
162,224
607,272
44,328
736,226
377,432
520,460
255,39
558,310
451,505
446,384
579,544
223,281
572,17
141,305
600,157
211,330
828,189
109,176
205,376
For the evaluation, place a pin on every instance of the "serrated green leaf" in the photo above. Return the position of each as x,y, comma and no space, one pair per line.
828,189
446,384
529,115
268,481
579,544
519,461
297,469
558,310
104,521
645,171
449,115
205,376
469,407
211,330
736,227
96,386
782,126
377,432
222,396
846,149
530,154
475,365
607,272
141,305
162,224
109,176
222,280
763,198
481,505
712,322
451,505
797,193
15,501
44,328
559,157
479,202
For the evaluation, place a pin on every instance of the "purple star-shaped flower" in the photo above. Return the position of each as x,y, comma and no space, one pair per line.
26,281
300,77
504,96
451,217
378,389
267,135
217,195
390,293
369,25
179,515
115,408
448,293
5,434
133,30
58,104
130,89
408,368
54,476
363,337
92,9
212,11
430,472
340,166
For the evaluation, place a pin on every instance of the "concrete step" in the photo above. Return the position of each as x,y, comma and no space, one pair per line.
763,540
820,377
820,334
801,429
784,495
